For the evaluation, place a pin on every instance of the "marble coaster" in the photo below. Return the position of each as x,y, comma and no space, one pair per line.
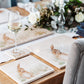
5,57
14,53
19,52
32,68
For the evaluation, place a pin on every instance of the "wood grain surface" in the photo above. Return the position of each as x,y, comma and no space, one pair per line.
53,78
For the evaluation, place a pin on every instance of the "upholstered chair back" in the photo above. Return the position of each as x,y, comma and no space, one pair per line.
75,67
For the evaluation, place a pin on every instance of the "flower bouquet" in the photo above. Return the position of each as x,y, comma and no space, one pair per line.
48,17
74,14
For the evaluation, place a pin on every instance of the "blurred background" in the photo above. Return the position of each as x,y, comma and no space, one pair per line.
11,3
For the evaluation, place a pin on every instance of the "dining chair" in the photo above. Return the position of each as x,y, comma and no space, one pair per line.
74,73
5,3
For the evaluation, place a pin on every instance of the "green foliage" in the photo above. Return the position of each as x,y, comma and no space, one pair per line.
45,21
70,6
26,27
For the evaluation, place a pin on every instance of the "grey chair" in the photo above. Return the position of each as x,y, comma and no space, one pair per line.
75,68
5,3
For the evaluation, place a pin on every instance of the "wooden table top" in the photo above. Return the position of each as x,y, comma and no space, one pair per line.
53,78
4,79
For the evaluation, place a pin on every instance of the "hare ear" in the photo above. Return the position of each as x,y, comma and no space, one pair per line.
52,47
18,66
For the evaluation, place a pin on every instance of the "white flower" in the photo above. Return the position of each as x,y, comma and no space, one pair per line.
82,1
54,18
79,17
53,1
38,15
69,11
57,3
34,17
53,24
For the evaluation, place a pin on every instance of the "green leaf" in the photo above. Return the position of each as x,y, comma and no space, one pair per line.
27,26
26,29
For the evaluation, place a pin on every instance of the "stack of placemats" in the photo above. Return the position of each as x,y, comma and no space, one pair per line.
26,70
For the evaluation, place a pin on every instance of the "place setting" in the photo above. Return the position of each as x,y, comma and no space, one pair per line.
25,32
54,50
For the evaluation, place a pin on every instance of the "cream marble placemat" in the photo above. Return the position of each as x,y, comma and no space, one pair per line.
19,51
33,70
7,39
61,42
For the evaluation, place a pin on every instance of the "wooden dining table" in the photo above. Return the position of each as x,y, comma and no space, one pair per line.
54,78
